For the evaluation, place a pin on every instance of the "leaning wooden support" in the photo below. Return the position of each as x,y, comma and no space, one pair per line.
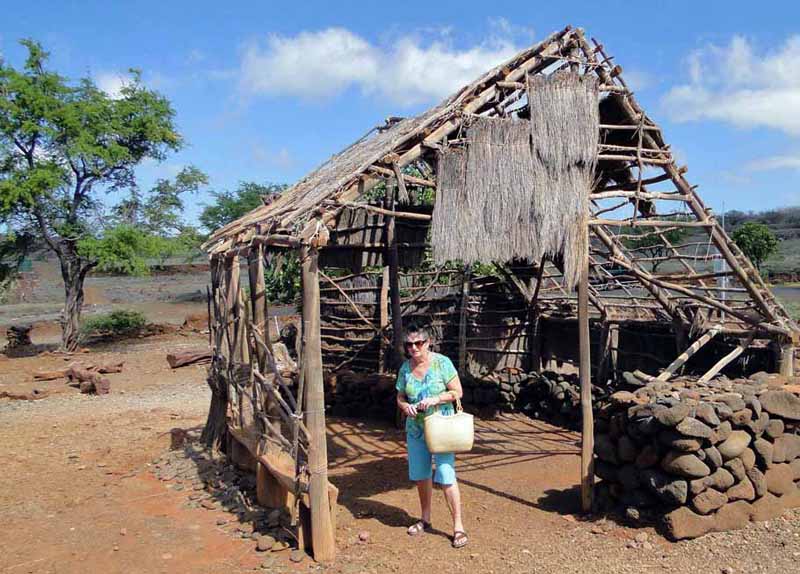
686,355
726,360
321,527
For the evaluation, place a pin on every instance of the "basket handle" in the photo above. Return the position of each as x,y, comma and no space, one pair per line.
454,394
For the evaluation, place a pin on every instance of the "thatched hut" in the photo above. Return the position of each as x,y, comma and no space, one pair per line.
542,174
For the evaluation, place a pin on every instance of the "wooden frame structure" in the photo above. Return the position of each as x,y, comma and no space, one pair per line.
640,192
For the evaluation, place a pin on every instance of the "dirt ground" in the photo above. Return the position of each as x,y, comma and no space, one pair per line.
77,493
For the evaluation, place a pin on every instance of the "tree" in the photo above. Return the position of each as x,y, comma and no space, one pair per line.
756,241
652,244
14,247
158,220
231,205
61,144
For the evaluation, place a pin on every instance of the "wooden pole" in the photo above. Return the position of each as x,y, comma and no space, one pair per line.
393,261
587,432
686,355
726,360
321,526
786,366
462,321
258,300
384,318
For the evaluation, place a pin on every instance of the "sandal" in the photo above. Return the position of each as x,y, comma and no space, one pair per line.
460,539
418,528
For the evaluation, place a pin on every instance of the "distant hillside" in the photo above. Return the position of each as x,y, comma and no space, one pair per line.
785,224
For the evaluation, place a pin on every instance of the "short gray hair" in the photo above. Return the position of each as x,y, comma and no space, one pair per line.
416,329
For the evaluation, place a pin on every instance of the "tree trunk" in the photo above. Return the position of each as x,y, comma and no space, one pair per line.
215,433
73,271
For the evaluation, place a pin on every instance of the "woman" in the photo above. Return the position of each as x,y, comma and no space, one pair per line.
428,381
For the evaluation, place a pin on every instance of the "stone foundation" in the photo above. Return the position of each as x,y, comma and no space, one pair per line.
702,457
551,396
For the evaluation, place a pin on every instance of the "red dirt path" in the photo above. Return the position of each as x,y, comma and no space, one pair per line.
77,495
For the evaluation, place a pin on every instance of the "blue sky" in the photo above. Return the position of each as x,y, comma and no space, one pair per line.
266,91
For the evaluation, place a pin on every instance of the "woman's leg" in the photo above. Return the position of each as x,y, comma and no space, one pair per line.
420,472
453,497
425,491
445,475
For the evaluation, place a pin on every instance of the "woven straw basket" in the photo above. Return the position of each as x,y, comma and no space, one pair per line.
449,433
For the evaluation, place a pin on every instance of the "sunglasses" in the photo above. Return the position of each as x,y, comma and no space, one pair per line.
417,344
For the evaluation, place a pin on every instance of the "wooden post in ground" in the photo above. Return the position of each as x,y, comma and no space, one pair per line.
587,431
787,359
393,262
384,317
258,300
462,321
321,525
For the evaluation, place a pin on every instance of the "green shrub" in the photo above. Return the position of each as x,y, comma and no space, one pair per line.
116,323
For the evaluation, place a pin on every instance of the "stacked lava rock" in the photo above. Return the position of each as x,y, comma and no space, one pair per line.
350,394
554,397
19,336
705,457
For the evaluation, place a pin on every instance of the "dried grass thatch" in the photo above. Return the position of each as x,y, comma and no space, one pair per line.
521,189
564,120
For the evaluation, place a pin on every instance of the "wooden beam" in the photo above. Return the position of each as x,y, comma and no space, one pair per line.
648,223
686,355
587,427
462,321
393,262
258,299
727,359
384,319
322,534
402,192
786,364
642,195
387,212
409,179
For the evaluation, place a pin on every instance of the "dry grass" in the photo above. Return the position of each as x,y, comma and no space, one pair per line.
520,190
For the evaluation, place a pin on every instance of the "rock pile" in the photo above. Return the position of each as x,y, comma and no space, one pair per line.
350,394
705,457
213,484
554,397
549,395
18,336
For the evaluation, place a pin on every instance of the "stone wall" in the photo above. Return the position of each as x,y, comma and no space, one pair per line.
700,457
550,396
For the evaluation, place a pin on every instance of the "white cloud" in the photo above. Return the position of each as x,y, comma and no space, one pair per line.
280,158
111,83
775,162
734,84
314,64
324,63
638,80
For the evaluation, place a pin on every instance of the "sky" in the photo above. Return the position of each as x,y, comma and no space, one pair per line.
266,91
